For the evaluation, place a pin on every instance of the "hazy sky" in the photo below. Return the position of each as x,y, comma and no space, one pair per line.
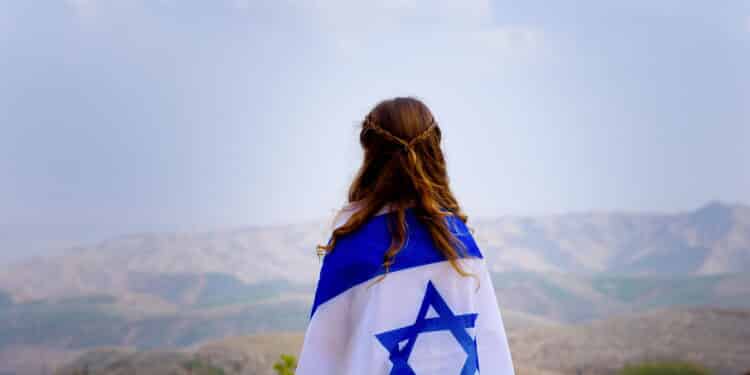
130,116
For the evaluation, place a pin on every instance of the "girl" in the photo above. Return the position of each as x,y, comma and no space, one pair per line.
404,289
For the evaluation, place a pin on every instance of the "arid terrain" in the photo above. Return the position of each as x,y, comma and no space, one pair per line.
718,339
579,291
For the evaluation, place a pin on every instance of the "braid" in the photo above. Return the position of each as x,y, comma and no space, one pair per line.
416,176
370,124
424,186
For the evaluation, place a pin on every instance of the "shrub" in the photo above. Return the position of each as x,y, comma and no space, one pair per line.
197,366
286,365
664,368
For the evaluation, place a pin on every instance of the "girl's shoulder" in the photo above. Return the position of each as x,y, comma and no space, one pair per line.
375,234
343,214
358,256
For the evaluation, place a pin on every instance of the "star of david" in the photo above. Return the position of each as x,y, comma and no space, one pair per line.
445,321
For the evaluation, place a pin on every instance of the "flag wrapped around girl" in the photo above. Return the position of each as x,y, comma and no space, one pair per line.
403,289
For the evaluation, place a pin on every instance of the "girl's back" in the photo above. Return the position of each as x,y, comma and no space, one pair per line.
403,289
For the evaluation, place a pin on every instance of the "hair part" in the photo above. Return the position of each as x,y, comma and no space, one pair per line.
403,166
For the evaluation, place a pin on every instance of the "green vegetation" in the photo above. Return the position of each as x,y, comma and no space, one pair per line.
557,298
660,291
664,368
674,258
576,298
224,289
40,322
97,320
552,289
214,289
261,318
168,286
90,322
199,367
286,365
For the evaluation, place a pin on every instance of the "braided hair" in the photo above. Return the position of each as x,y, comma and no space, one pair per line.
403,166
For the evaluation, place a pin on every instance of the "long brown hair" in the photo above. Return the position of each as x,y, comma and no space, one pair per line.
403,167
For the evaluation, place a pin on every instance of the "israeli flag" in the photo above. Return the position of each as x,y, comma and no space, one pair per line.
422,318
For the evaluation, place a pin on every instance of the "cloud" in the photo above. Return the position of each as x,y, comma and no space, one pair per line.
435,28
357,27
345,16
507,38
397,15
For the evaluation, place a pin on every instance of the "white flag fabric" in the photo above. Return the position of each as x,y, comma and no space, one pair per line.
422,318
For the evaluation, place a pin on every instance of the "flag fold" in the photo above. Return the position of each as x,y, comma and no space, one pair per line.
422,318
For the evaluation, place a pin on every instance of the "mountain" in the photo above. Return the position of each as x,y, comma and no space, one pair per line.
713,239
579,298
177,290
717,339
114,266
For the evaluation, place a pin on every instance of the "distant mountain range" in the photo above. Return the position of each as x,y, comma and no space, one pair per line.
713,239
158,290
710,240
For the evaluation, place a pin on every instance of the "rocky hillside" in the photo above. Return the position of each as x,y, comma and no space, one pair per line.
718,339
177,290
118,266
234,355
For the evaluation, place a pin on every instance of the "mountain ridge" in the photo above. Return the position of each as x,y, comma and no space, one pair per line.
712,239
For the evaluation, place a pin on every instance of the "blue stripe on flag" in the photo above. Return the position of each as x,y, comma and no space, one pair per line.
358,256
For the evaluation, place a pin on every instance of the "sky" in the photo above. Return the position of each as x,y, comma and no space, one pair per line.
146,116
